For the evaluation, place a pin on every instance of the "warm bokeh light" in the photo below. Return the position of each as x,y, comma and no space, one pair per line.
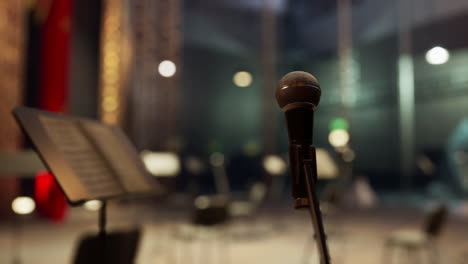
202,202
426,165
251,148
217,159
348,155
242,79
23,205
165,164
274,164
437,55
167,68
338,138
93,205
194,165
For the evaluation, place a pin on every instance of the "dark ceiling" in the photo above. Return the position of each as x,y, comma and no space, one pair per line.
304,27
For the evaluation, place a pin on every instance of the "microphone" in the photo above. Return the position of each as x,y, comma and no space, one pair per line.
298,95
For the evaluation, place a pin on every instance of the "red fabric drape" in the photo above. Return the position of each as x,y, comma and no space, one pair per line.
49,197
55,55
53,91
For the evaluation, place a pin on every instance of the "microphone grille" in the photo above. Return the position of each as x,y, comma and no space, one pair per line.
298,89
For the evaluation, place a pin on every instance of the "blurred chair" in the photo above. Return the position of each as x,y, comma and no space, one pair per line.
414,240
243,208
209,216
256,196
247,225
237,208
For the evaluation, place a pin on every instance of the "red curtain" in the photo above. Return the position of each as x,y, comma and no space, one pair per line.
53,90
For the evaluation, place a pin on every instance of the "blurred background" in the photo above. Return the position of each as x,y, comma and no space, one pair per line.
192,85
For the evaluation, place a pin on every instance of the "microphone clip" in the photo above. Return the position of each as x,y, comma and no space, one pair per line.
300,156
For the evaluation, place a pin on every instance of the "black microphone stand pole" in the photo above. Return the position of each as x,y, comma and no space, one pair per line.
102,231
314,210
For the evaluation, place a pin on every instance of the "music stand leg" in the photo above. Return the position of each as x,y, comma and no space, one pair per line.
102,230
16,239
316,215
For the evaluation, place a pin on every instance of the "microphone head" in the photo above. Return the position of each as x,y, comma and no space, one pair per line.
298,89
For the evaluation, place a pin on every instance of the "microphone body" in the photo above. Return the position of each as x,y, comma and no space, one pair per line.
298,95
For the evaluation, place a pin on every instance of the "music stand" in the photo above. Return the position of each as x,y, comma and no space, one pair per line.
90,160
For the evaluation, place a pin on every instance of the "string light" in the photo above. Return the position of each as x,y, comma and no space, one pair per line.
110,72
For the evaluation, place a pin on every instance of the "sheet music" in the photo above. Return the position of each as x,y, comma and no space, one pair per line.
92,169
111,145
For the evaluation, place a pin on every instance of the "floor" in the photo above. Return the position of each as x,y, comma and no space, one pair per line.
276,235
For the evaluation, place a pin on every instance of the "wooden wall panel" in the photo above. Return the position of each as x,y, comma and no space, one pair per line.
12,24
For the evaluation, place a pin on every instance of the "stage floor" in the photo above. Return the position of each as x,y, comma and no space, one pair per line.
274,236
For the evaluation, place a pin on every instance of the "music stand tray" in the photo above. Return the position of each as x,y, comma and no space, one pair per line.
89,159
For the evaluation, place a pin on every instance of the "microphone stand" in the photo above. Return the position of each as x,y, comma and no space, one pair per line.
314,210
